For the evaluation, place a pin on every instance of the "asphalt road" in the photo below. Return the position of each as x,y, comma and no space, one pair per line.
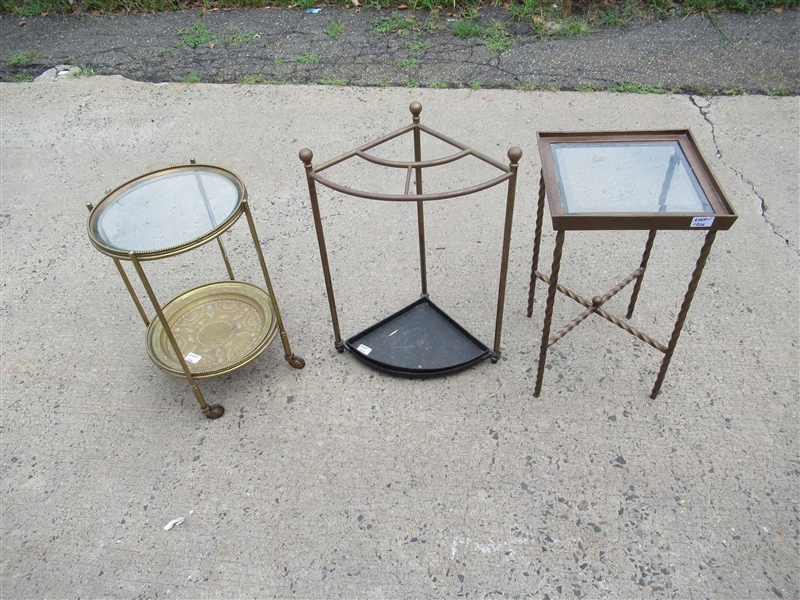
752,53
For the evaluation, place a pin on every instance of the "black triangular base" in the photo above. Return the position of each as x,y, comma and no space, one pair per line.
420,340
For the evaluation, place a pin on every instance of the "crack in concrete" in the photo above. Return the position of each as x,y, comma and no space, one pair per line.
704,106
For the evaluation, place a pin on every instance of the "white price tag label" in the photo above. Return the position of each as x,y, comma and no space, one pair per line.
192,358
365,350
702,221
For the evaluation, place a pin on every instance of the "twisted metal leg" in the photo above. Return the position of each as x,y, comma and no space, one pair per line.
687,301
645,257
548,313
537,240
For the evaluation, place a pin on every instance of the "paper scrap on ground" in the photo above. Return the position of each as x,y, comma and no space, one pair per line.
172,523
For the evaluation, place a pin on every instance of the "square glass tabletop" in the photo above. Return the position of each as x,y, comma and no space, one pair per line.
638,180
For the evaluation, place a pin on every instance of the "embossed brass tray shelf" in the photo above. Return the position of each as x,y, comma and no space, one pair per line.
420,340
212,329
653,180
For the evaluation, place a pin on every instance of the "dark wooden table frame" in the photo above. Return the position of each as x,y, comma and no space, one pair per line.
723,218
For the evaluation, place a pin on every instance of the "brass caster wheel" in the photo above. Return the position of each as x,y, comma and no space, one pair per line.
296,361
214,411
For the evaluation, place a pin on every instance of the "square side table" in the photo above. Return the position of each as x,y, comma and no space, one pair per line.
646,180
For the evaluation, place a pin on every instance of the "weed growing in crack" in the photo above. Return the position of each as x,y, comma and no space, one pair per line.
525,87
412,84
237,39
334,29
191,79
629,87
497,37
407,62
417,46
82,72
588,87
251,80
307,59
394,23
20,59
467,27
475,85
23,77
196,34
332,82
438,85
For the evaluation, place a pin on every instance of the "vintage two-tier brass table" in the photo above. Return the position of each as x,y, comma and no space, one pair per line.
212,329
652,180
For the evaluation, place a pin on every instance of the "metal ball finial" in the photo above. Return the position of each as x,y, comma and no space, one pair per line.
306,155
514,154
597,301
415,108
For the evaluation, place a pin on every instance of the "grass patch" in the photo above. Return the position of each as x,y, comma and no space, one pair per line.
23,77
475,85
497,37
778,92
570,27
607,12
418,46
394,23
82,72
429,5
237,39
307,59
20,59
251,80
525,87
467,27
196,34
412,84
191,79
332,82
334,29
407,62
734,92
629,87
438,85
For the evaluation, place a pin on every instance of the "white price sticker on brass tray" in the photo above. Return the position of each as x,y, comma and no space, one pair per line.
365,350
192,358
702,221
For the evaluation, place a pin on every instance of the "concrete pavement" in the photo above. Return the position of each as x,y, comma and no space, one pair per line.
338,481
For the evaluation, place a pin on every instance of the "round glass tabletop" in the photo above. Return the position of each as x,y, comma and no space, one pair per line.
165,210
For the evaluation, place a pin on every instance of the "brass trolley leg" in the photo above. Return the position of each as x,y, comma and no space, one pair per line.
537,240
416,109
213,411
548,313
295,361
687,301
637,286
127,282
225,258
306,155
514,154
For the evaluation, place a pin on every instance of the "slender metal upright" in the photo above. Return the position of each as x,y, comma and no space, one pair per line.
295,361
514,154
213,410
416,109
306,156
687,302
